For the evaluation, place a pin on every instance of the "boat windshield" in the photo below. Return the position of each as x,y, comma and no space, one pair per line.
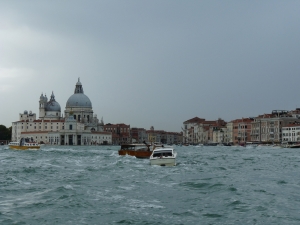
133,147
162,153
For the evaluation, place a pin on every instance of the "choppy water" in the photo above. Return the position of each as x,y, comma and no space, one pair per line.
94,185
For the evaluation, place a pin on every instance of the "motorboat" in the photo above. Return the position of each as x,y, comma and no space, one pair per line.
142,151
210,144
24,144
164,156
290,145
251,144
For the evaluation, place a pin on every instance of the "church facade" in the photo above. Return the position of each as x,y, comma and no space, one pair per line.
78,126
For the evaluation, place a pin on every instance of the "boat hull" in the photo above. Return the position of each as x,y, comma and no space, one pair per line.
16,147
295,146
137,154
163,161
290,145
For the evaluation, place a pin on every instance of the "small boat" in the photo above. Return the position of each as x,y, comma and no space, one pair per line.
142,151
290,145
210,144
24,144
251,144
163,157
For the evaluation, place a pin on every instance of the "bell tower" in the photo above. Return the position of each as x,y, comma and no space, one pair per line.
42,103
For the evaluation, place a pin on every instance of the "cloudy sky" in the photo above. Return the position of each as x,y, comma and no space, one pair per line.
151,63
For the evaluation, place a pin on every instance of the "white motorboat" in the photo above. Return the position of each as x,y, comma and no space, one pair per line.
164,156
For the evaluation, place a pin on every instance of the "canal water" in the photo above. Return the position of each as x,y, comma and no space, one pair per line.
94,185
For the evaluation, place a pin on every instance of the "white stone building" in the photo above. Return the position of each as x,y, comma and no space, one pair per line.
291,133
79,126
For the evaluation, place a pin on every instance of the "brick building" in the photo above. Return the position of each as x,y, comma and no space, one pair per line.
120,133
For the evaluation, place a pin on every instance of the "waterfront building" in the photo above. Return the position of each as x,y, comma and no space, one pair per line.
120,133
79,126
295,113
215,129
138,135
189,134
197,130
242,130
291,133
164,137
267,128
219,135
228,133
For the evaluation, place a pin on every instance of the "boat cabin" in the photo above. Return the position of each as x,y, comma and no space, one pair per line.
162,152
135,147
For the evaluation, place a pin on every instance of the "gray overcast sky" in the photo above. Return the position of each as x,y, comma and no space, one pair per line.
154,62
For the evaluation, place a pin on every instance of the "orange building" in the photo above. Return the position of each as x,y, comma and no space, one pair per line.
242,130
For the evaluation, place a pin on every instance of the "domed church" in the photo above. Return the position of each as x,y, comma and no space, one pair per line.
79,126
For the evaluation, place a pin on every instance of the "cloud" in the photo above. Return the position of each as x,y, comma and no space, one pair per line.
12,79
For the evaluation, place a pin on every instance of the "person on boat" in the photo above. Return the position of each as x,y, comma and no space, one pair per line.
148,146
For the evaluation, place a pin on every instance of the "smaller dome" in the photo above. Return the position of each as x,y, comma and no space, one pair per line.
52,106
26,112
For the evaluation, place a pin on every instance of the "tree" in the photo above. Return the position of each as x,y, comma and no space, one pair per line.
5,133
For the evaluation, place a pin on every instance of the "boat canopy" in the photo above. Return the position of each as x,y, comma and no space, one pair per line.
133,146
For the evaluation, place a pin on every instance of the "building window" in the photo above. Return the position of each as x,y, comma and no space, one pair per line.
70,127
45,127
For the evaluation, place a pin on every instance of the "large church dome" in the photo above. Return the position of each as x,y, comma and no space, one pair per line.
52,105
79,99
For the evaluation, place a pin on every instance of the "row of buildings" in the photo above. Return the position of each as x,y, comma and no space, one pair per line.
276,127
122,133
79,125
